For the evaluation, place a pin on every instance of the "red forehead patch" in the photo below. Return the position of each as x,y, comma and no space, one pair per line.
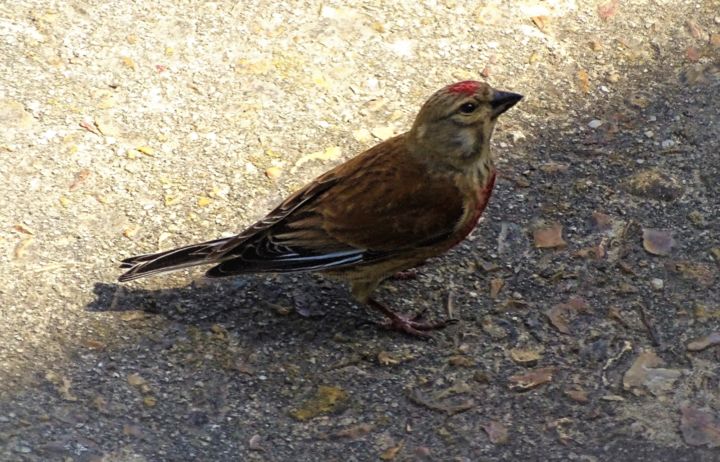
467,87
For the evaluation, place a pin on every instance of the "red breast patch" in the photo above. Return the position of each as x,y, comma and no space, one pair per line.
483,196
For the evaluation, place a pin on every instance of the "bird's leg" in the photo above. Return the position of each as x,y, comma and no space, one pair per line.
411,325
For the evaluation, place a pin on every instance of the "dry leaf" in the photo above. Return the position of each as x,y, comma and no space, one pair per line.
601,222
715,40
392,452
558,313
327,399
596,252
93,344
20,228
147,150
655,184
132,315
549,236
657,241
330,153
132,430
131,231
135,380
695,30
645,373
531,379
704,342
554,167
497,432
702,273
541,22
607,10
356,431
692,54
461,361
525,356
79,179
584,79
203,201
700,427
578,304
436,402
89,126
22,246
496,284
578,395
100,404
273,173
386,359
129,63
557,318
255,443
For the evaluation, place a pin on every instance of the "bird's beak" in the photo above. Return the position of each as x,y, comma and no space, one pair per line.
504,100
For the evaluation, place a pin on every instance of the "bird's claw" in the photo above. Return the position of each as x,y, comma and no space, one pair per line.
406,275
413,325
409,324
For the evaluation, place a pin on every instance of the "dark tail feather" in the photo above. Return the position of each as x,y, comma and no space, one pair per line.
289,264
170,260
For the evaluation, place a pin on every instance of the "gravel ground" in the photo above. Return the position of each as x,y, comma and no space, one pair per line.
588,295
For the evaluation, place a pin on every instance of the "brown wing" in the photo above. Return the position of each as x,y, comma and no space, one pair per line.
391,205
372,207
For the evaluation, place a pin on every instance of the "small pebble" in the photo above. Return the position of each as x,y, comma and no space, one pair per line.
382,133
273,173
657,284
667,144
517,135
595,123
649,133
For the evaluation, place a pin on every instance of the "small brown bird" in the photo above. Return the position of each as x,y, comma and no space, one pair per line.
409,198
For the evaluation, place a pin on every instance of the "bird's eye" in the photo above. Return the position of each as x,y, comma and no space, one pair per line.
468,108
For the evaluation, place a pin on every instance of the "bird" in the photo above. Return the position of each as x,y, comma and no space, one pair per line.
389,209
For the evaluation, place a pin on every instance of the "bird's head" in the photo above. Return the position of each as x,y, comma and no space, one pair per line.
454,126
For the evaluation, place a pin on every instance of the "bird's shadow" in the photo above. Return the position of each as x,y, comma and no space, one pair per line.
285,301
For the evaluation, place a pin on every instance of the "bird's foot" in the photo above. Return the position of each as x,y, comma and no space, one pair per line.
409,324
406,275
